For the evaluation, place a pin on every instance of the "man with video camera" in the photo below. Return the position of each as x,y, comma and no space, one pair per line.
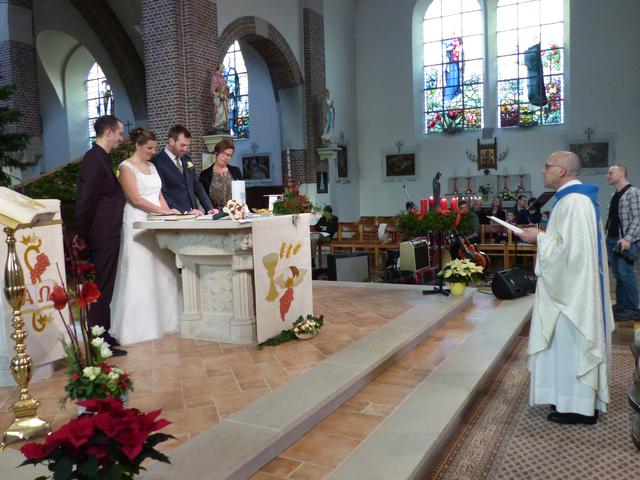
623,234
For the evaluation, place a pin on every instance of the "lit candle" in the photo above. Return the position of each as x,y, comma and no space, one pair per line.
443,203
423,205
454,204
432,202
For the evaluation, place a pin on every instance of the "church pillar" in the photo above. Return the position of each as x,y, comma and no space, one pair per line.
180,48
18,65
314,82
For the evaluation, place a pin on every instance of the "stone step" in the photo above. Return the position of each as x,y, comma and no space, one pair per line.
405,445
241,443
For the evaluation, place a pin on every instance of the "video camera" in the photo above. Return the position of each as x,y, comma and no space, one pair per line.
626,254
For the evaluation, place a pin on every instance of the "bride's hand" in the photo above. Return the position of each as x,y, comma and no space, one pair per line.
173,211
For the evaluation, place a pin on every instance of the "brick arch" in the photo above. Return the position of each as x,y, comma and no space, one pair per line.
123,54
283,67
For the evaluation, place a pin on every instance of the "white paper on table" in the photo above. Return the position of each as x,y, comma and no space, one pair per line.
238,192
513,228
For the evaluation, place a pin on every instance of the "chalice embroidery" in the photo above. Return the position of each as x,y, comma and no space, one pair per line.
287,281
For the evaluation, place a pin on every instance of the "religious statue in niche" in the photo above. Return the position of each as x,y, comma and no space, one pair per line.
452,77
328,118
220,94
436,187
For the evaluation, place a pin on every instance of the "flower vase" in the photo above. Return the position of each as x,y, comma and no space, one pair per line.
457,288
305,336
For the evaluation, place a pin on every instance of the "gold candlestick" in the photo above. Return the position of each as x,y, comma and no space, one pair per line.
26,423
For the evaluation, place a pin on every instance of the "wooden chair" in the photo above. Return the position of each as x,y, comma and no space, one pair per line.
488,235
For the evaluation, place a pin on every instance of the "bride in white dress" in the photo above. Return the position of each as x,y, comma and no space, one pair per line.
145,301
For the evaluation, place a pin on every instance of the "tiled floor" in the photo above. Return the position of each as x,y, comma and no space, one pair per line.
196,382
318,452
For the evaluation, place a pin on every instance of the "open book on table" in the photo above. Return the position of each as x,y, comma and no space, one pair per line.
170,216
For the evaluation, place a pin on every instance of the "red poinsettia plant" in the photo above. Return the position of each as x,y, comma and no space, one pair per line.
107,442
85,351
292,203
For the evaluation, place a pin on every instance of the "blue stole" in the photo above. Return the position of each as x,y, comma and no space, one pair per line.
591,191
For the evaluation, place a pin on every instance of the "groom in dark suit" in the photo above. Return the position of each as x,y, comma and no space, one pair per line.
99,209
180,186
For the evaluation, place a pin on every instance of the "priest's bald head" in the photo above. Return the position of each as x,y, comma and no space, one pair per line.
560,168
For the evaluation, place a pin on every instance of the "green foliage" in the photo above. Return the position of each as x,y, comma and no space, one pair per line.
10,143
416,225
288,335
62,183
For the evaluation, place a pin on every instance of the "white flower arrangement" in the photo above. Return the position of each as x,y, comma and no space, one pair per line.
306,326
236,210
190,165
460,271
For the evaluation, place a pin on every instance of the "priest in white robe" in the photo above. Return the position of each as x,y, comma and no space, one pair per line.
570,336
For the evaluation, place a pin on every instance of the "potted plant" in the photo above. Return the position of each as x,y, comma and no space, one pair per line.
109,441
459,273
86,352
293,202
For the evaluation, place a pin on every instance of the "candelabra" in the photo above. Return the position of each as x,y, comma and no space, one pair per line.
26,423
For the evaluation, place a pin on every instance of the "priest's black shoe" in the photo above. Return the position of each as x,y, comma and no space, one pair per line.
572,418
118,352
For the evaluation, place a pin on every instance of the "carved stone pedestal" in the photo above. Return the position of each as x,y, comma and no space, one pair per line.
217,278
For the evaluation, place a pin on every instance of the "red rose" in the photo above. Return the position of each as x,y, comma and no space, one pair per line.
88,294
76,376
59,297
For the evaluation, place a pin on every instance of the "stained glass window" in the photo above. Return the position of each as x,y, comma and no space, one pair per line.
235,73
453,66
530,57
100,100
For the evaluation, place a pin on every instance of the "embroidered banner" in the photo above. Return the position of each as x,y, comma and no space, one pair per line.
282,272
39,250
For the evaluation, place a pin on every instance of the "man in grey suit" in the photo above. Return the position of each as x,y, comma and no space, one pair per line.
180,186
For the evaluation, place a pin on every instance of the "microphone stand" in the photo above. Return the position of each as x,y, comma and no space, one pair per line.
439,288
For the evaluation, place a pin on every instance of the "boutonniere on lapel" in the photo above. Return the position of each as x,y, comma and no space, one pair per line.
190,166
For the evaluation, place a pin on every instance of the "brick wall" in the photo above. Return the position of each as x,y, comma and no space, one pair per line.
179,51
123,54
314,85
298,167
18,65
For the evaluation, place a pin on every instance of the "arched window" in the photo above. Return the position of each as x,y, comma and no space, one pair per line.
530,52
453,66
100,100
235,73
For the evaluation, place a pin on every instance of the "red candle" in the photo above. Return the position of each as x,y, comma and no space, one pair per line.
454,204
432,202
443,204
423,205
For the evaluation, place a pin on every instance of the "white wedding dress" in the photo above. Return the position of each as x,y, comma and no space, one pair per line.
146,301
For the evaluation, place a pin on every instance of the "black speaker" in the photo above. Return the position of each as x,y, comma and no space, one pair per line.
512,283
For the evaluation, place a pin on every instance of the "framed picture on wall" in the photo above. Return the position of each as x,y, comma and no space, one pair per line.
399,166
487,157
342,165
322,182
257,168
596,155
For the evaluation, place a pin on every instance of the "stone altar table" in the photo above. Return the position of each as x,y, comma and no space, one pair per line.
217,262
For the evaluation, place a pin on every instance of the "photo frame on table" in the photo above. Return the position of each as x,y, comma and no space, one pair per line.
400,166
257,169
596,155
487,155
